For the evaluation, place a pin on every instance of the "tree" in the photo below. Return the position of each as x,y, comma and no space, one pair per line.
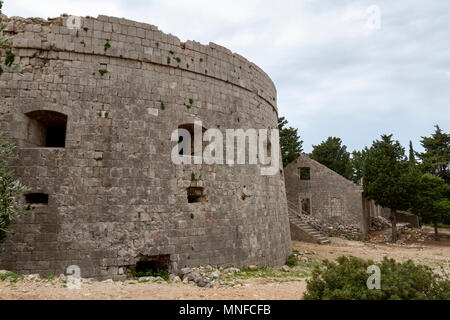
436,158
290,143
386,178
7,62
11,189
430,202
412,154
333,154
357,162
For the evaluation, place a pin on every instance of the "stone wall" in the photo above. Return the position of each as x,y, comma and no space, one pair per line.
115,197
333,200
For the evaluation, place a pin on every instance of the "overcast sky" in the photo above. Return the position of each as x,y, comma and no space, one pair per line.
339,71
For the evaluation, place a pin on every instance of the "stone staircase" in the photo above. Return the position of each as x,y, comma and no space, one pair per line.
303,231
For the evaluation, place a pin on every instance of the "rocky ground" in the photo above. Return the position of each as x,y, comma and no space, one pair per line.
230,283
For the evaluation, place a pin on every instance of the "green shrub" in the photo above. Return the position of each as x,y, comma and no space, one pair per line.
292,261
163,273
347,280
11,189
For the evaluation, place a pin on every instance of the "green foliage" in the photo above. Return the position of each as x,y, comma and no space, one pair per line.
107,45
171,52
11,189
192,176
430,202
412,154
384,167
334,155
192,216
8,63
102,71
163,273
347,280
292,261
86,29
305,173
168,60
387,178
162,106
436,158
12,275
191,101
290,143
178,59
201,59
357,162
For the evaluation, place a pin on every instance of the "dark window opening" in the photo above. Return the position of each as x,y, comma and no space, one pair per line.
306,206
305,173
36,198
46,129
195,195
190,128
55,137
151,266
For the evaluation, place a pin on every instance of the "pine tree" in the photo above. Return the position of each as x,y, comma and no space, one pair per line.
430,202
412,154
436,158
290,142
334,155
386,177
357,162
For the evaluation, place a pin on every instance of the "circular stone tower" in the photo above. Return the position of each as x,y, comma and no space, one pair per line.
92,120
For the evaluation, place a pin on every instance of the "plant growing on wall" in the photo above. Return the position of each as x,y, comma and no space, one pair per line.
5,50
11,189
107,45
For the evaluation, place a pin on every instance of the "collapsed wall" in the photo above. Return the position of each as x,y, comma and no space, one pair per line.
92,119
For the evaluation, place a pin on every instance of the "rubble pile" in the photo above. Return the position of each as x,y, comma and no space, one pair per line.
379,224
351,232
406,235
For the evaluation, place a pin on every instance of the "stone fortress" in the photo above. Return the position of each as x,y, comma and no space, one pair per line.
92,120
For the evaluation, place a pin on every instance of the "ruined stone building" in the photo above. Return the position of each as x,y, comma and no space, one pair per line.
322,202
92,119
321,193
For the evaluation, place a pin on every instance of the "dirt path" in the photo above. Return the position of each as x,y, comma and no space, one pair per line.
432,253
253,289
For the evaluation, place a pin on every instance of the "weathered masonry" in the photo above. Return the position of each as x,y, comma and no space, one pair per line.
325,195
93,119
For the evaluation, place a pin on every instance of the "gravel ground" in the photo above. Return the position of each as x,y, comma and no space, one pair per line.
260,287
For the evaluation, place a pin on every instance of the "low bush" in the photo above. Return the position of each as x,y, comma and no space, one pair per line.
347,280
292,260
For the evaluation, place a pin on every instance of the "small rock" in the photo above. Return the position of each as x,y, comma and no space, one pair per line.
33,277
215,274
176,279
285,268
108,281
253,267
185,271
